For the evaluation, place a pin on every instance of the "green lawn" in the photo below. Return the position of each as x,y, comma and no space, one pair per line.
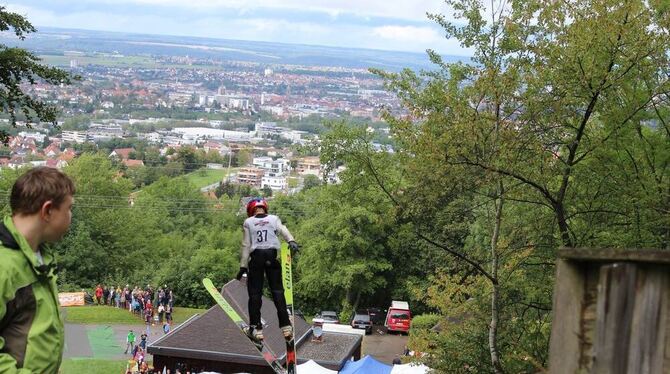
293,182
182,314
108,315
58,60
205,177
87,366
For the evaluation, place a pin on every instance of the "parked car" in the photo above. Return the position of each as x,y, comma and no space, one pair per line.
328,316
376,315
398,317
362,320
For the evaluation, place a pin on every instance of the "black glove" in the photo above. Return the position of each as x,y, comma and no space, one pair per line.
242,271
294,246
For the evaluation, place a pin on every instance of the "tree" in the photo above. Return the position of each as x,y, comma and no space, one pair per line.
19,67
531,147
583,74
346,257
311,181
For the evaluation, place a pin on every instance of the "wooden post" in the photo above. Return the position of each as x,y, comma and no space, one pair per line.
566,325
611,312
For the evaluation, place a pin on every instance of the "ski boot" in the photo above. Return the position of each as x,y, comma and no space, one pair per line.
287,331
254,334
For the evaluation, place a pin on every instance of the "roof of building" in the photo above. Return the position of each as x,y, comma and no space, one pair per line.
213,336
133,163
122,153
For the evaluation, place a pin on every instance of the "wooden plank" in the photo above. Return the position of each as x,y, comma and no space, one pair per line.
564,345
588,319
647,340
615,254
615,306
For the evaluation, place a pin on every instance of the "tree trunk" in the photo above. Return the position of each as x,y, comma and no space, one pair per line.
493,327
353,298
563,227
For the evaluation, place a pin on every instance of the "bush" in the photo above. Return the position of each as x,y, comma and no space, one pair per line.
425,321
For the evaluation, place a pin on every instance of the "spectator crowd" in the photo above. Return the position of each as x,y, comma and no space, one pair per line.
152,306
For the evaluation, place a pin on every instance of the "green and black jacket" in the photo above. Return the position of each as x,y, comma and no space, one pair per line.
31,330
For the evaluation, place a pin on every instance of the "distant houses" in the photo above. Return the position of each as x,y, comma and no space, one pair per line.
273,167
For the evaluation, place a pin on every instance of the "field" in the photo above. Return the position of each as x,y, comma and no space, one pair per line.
205,177
121,61
127,61
87,366
105,314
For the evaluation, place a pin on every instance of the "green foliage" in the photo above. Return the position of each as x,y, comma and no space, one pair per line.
424,322
235,190
21,67
310,181
170,234
563,117
76,123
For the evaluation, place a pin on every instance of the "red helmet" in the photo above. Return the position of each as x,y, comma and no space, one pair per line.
255,203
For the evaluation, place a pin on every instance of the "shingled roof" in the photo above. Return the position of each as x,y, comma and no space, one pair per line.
212,341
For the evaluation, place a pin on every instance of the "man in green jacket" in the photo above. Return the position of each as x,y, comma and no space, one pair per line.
31,329
130,342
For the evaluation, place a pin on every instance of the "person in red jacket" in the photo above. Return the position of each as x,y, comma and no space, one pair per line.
98,294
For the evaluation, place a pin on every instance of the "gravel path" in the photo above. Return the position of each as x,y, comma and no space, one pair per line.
103,341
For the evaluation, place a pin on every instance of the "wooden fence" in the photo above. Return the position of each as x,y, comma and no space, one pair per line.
610,312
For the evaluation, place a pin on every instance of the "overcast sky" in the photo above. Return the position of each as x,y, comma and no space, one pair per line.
399,25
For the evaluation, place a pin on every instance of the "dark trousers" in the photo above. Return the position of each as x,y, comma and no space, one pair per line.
264,262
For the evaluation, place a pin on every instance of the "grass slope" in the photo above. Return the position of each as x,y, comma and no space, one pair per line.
87,366
95,314
205,177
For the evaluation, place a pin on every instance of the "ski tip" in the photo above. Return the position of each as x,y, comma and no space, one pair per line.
207,282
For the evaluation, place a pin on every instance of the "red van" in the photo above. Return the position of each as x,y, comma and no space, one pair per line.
398,317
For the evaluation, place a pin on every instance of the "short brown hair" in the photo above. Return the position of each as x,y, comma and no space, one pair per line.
37,186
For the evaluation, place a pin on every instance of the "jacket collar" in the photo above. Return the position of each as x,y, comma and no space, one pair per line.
12,239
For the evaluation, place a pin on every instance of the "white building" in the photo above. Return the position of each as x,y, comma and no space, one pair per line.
275,183
273,168
39,137
151,137
267,128
276,110
293,135
75,136
238,103
262,162
202,100
99,131
198,133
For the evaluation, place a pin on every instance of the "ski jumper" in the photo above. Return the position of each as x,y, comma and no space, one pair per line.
260,246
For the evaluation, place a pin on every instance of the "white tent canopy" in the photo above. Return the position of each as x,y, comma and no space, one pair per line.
410,368
311,367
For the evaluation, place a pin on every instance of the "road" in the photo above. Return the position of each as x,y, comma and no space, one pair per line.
384,347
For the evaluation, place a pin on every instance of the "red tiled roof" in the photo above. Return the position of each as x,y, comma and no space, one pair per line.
123,152
133,163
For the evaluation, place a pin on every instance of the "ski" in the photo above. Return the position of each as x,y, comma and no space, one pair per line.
287,280
260,345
